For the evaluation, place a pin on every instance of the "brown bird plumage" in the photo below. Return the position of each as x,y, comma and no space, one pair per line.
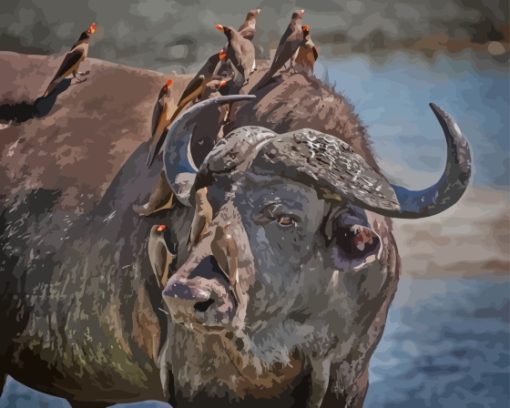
72,60
193,91
161,116
240,51
202,218
160,256
290,41
307,53
248,28
224,250
161,198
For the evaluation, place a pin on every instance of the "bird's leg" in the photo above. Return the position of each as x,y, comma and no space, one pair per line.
83,73
78,79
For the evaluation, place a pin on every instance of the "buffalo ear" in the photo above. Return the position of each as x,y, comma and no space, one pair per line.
354,244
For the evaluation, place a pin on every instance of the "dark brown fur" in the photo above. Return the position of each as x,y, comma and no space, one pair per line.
83,160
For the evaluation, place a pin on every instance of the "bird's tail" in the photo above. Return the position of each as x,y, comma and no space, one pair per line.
51,87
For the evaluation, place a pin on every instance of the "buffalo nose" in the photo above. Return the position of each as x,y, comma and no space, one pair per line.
198,299
182,291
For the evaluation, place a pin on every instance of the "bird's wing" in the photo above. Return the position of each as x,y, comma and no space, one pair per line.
156,115
209,66
247,32
70,59
315,53
197,226
283,40
244,52
220,256
192,90
287,51
158,140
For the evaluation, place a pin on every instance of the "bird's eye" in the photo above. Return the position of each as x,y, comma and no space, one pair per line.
286,221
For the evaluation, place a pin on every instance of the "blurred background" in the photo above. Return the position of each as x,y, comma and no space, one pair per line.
447,341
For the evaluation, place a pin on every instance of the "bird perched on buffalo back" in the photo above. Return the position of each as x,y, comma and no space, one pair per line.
247,29
307,53
291,39
72,60
193,91
240,51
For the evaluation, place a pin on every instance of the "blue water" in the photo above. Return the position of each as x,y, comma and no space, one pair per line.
392,100
446,344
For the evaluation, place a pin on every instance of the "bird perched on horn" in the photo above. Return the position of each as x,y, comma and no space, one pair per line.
240,51
192,92
307,53
290,42
72,60
161,115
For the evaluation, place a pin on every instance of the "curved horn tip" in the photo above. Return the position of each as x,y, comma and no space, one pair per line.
444,116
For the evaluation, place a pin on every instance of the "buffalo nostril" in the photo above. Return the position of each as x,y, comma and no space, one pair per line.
203,306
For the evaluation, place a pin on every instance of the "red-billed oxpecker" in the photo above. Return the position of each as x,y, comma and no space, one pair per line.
202,218
248,28
240,51
72,60
307,53
290,42
192,92
160,255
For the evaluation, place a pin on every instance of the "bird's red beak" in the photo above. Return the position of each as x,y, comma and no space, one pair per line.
306,27
223,83
219,27
92,28
168,83
161,228
222,55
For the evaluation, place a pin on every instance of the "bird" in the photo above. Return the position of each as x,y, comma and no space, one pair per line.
225,251
240,51
202,218
307,53
247,29
193,91
72,60
161,198
160,254
213,87
160,115
290,41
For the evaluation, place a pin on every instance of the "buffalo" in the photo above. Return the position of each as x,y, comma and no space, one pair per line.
280,301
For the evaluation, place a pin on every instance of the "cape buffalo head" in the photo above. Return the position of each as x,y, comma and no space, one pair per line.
292,245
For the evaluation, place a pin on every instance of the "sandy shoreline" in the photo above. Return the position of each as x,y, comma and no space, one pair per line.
470,239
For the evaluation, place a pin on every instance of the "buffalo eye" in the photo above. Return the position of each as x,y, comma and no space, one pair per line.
286,221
